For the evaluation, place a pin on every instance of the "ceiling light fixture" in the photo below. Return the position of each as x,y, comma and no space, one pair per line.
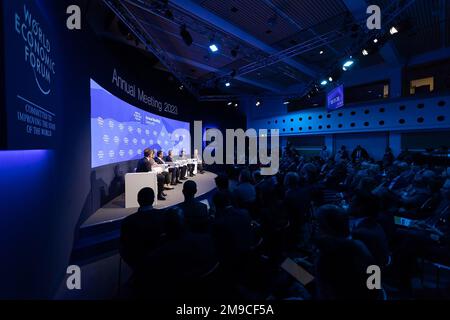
214,48
393,30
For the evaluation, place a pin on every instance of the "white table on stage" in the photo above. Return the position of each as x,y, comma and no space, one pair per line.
195,163
135,182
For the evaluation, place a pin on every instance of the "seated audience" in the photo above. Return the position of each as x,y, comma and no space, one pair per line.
365,208
324,154
195,213
141,232
245,192
360,154
231,230
341,263
176,269
335,217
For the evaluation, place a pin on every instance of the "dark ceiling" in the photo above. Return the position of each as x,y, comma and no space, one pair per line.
249,31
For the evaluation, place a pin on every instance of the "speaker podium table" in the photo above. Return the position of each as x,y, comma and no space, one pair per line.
135,182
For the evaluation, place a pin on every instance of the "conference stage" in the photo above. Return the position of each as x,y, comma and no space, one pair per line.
115,210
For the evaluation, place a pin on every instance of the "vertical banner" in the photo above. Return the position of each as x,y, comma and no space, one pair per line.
30,75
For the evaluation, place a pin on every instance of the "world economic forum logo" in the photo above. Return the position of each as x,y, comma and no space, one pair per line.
37,48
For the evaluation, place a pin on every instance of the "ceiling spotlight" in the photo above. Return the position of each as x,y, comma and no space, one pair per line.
324,82
236,105
347,64
286,102
375,40
230,103
228,84
186,36
181,87
330,79
213,47
321,52
365,52
393,30
258,103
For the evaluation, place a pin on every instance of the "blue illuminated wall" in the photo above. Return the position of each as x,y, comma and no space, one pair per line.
390,119
28,225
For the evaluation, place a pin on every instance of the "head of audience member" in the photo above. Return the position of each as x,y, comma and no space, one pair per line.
366,183
309,172
423,178
291,181
182,153
189,190
170,153
221,201
195,153
146,197
160,154
365,204
174,223
222,182
148,153
245,176
332,221
257,177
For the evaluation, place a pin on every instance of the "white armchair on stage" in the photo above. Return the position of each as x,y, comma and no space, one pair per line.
135,182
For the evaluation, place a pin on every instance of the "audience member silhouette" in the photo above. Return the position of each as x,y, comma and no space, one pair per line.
142,231
195,213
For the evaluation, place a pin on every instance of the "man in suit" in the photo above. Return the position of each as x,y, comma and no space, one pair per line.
232,230
146,165
160,161
170,158
172,171
195,213
142,231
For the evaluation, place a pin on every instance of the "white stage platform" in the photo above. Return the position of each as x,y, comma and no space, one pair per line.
115,210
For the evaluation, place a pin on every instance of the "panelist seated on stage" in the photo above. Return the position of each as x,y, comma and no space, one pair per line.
147,164
166,172
172,178
189,167
179,172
